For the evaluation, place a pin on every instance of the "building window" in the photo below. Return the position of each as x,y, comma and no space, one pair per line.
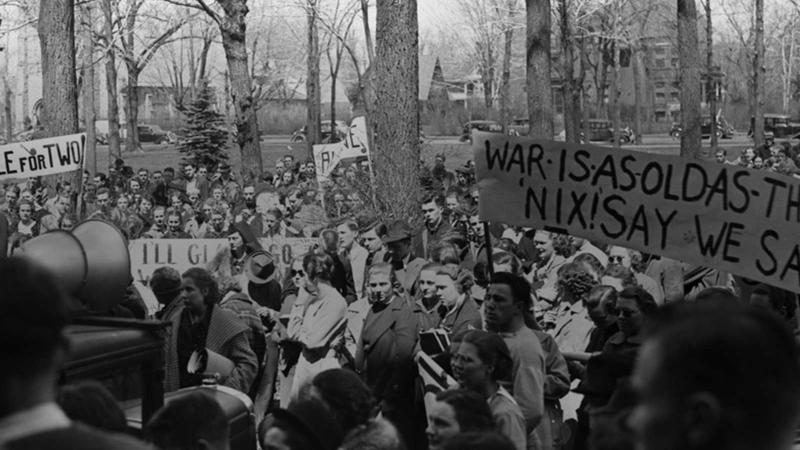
660,116
660,96
675,62
675,95
661,63
660,85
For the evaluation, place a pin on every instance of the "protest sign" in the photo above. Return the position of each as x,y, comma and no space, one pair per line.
735,219
42,157
328,156
149,254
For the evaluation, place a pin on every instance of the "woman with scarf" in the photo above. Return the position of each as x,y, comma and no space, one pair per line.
200,325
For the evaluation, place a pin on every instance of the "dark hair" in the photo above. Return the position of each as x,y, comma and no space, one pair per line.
599,295
471,409
205,282
89,402
724,349
436,198
350,400
621,272
492,350
170,170
644,301
330,240
319,266
520,288
297,437
33,314
715,293
575,281
186,419
591,261
780,300
483,440
103,190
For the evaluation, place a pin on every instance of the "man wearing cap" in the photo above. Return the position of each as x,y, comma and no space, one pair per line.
229,187
406,265
166,286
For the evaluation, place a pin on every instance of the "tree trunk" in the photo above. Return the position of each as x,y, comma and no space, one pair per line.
711,78
89,113
505,83
7,99
537,63
59,85
488,77
600,88
638,80
367,32
233,28
313,100
758,76
585,129
396,125
689,56
568,87
132,110
613,96
333,100
111,82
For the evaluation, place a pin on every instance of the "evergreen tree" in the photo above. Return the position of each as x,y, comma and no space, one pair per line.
204,136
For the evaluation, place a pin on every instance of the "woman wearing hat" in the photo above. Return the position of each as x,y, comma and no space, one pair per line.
229,261
480,361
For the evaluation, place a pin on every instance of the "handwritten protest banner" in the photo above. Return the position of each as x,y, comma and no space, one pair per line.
328,156
738,220
42,157
150,254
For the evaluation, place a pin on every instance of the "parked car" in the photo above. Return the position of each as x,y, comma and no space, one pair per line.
330,134
519,127
152,133
676,130
489,126
602,130
778,124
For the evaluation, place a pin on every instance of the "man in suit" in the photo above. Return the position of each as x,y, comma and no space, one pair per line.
384,356
33,316
354,253
406,265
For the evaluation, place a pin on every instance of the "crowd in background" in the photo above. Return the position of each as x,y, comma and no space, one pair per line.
543,337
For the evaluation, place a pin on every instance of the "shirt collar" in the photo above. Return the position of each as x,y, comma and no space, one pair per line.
40,418
458,304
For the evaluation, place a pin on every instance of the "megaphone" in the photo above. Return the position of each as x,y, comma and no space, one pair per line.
91,262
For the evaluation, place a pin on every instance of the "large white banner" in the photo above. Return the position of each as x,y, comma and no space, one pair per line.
42,157
149,254
328,156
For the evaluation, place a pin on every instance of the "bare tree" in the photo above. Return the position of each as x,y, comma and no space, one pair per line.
342,20
108,40
313,101
230,15
689,55
59,85
711,79
396,116
136,60
87,81
758,75
540,95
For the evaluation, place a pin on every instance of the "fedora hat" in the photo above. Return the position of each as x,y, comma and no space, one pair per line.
259,267
397,231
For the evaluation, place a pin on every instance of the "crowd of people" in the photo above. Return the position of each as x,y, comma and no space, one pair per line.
553,341
780,158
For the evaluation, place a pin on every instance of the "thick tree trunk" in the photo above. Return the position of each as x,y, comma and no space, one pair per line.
89,113
487,77
59,85
233,29
568,85
313,100
333,99
537,63
396,125
111,82
689,55
638,79
132,111
7,99
600,78
759,70
585,129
